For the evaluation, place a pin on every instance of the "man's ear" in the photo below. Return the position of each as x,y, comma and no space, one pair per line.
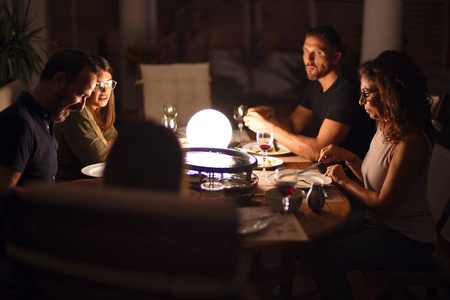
60,79
336,57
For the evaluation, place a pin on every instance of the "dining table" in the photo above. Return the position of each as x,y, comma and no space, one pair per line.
290,232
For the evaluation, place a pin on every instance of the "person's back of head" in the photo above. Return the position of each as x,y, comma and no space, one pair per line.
145,155
328,34
71,62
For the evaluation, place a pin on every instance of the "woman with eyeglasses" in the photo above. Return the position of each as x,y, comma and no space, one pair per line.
86,137
396,232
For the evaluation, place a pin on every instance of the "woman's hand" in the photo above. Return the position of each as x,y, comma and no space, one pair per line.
332,153
336,172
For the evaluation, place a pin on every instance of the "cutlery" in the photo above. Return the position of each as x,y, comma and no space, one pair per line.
309,168
275,146
256,218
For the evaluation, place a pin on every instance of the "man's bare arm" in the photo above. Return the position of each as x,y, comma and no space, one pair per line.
8,177
331,132
264,117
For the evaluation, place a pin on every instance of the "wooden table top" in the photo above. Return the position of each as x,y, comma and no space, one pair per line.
316,225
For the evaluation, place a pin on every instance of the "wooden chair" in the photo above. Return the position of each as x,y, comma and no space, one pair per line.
430,276
186,85
10,92
102,243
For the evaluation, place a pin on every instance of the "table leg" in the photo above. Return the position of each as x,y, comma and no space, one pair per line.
286,272
256,263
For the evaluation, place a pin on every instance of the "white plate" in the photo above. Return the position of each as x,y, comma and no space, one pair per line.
254,148
254,226
308,176
95,170
274,162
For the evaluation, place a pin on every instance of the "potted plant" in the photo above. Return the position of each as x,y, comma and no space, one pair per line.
18,58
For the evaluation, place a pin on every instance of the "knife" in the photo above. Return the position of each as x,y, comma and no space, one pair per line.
309,168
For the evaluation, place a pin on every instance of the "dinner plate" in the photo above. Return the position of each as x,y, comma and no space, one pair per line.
254,148
95,170
307,176
253,226
274,162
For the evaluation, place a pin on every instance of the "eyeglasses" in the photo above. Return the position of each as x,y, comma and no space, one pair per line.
365,94
110,84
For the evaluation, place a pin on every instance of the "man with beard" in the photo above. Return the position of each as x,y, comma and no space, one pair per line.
27,145
328,110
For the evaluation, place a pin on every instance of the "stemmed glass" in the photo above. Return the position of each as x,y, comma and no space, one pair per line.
286,181
239,112
170,116
264,138
170,110
170,123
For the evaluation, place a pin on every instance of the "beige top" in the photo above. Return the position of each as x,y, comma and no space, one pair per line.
412,217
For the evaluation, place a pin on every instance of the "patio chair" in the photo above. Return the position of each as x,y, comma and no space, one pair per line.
186,85
101,243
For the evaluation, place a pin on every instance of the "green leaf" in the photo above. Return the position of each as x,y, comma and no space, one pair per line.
18,37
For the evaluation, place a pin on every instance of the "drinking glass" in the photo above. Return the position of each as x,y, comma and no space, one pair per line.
170,123
170,110
264,138
286,181
239,112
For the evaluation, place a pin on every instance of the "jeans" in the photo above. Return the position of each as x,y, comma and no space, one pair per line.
358,247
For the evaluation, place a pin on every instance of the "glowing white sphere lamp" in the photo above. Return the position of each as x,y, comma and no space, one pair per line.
209,128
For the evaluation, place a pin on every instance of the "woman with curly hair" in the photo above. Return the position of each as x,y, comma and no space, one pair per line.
396,231
86,137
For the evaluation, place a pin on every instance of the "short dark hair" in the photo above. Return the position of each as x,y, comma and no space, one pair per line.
155,162
327,33
69,61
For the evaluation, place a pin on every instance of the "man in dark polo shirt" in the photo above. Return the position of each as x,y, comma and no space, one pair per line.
329,108
27,145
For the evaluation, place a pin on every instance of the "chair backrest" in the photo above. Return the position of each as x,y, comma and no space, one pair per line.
122,241
186,85
438,175
441,111
10,92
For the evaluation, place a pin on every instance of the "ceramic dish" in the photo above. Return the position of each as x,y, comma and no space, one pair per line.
253,226
254,148
95,170
308,177
273,162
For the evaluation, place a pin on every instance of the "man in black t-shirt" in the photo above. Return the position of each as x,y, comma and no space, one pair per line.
27,145
329,107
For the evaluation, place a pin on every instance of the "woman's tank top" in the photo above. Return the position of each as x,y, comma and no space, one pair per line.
412,217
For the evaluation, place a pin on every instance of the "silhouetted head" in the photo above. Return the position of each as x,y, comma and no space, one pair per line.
145,155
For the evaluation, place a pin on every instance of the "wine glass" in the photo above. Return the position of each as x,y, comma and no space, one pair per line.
239,112
170,123
264,137
286,181
170,110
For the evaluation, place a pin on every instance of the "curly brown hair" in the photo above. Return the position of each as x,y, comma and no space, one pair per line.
404,94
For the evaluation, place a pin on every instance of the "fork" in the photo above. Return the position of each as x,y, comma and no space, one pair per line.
303,180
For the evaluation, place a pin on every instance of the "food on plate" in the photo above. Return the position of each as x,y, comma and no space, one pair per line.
267,163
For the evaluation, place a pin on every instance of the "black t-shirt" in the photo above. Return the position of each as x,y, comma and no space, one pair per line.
340,103
27,143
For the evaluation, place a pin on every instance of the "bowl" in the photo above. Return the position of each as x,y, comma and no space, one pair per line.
273,199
